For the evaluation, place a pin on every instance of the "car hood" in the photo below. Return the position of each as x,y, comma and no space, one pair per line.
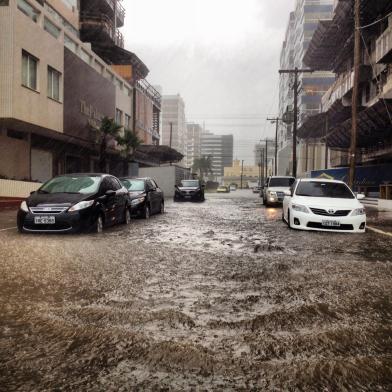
278,188
66,199
136,194
321,202
188,188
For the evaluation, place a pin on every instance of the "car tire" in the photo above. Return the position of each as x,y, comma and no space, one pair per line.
98,225
288,219
127,216
162,209
146,212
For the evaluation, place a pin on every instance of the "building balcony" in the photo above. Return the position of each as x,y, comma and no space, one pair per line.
98,28
341,89
384,45
111,8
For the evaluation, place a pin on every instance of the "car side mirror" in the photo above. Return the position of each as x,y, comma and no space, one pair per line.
110,192
360,196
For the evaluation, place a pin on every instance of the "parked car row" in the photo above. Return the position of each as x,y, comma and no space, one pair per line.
316,204
88,202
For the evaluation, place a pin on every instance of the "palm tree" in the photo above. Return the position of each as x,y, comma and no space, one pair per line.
130,141
203,165
108,130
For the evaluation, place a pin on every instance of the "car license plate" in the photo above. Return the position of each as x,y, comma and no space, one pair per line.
44,220
330,223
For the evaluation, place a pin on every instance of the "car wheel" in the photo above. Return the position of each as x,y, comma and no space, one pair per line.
288,219
146,212
98,225
127,216
283,217
162,210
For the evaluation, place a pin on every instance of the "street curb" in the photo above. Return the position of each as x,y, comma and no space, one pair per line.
378,231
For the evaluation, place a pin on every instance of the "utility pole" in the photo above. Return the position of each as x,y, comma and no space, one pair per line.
296,72
171,134
276,121
266,157
262,163
242,171
357,62
326,141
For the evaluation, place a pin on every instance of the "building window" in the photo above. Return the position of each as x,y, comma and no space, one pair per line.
54,84
118,117
51,28
28,10
29,70
4,3
69,43
127,122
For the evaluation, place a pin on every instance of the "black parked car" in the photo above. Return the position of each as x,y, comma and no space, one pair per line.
146,196
189,190
75,202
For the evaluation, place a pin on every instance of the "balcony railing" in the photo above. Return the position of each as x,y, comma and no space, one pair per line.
102,23
384,45
115,5
343,86
150,91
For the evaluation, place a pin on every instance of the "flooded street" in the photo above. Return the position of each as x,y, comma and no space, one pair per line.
218,295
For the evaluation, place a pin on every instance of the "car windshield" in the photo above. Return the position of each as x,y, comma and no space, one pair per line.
324,189
133,185
190,183
69,184
281,181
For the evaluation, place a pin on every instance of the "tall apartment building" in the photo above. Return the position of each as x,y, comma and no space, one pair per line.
174,123
329,51
301,26
193,140
62,68
220,149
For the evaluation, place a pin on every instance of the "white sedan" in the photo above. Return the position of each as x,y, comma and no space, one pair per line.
325,205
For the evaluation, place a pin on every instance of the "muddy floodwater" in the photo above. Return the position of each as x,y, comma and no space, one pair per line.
216,296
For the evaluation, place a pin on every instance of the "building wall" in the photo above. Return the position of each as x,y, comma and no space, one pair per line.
173,111
220,149
302,24
144,117
193,139
88,96
14,157
19,32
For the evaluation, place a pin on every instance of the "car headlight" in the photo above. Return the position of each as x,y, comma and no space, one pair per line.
271,193
137,201
23,206
358,211
81,205
300,208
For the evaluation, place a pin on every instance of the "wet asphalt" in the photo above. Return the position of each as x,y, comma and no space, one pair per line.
219,295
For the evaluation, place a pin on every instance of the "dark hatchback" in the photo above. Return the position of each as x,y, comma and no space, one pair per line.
75,202
192,190
146,196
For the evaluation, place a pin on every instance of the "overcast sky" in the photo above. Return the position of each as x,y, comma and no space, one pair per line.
221,56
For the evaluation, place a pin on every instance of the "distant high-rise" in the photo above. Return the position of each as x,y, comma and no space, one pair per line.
173,117
301,26
220,149
193,139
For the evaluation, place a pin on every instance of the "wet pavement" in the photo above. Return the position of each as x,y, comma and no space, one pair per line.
218,296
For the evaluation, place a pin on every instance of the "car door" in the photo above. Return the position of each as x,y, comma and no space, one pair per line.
153,196
108,202
159,194
119,199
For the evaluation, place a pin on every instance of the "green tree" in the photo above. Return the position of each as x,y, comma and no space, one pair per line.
130,141
203,165
109,130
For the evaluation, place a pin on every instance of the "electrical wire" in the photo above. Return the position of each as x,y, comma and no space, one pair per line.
375,22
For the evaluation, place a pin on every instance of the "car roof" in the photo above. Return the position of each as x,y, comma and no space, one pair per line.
321,180
281,177
135,178
85,175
